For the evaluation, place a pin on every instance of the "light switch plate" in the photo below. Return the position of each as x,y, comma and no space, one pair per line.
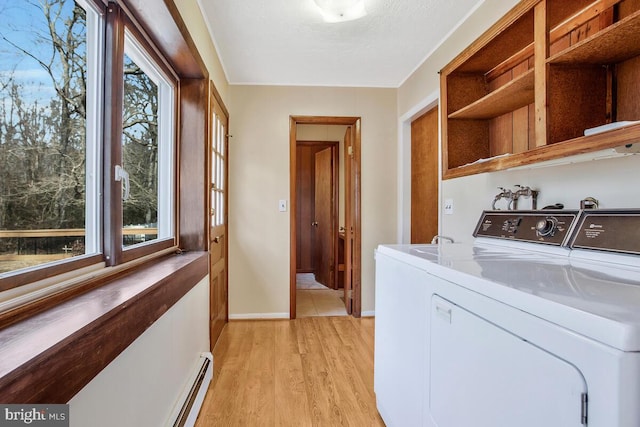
282,205
448,206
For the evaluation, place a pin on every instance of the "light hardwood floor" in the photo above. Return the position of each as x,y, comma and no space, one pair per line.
315,302
316,371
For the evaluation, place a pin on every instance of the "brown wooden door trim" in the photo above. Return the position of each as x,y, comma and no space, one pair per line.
356,264
348,142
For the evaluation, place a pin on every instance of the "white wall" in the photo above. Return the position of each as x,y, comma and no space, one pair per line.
259,177
142,385
609,180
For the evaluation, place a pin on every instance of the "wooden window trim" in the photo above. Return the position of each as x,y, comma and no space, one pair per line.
164,34
49,357
18,278
119,19
69,360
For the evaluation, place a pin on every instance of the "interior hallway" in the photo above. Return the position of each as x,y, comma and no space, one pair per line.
316,371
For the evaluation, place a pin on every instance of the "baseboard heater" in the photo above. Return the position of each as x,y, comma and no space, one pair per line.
192,401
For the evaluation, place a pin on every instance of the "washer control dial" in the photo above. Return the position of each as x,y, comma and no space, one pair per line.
546,226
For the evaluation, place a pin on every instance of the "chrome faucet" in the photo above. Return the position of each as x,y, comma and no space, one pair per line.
525,192
439,238
504,194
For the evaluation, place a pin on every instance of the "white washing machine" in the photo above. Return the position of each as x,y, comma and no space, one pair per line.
537,323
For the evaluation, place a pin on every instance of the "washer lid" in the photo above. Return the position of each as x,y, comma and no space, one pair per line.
597,300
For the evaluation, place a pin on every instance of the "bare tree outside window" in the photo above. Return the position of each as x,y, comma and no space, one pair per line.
140,152
42,131
47,148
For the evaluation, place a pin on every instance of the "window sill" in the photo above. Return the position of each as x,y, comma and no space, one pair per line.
49,357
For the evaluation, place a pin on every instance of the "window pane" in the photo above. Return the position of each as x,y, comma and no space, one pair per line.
147,148
217,168
43,131
140,154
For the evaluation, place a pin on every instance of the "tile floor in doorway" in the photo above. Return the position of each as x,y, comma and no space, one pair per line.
314,299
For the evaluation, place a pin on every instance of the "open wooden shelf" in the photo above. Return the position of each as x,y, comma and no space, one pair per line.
592,80
584,144
517,93
616,43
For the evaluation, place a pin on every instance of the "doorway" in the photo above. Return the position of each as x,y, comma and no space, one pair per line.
335,227
320,211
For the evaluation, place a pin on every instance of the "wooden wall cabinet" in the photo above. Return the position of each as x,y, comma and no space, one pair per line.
527,89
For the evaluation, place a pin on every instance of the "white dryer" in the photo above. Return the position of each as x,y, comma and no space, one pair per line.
537,323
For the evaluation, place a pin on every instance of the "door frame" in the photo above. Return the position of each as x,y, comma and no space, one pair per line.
355,122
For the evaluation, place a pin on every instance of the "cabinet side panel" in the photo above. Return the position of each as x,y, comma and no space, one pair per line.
628,90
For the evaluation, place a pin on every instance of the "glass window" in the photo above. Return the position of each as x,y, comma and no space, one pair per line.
147,148
50,98
54,202
219,133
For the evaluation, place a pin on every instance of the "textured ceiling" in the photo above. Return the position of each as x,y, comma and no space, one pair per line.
286,42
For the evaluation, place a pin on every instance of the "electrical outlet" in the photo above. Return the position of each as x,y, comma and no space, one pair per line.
448,206
282,205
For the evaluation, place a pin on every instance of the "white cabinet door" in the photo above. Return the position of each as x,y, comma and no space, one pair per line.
484,376
401,356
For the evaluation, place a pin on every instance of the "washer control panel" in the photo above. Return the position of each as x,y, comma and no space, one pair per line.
552,227
608,230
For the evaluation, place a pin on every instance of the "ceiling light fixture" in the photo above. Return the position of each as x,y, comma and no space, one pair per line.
341,10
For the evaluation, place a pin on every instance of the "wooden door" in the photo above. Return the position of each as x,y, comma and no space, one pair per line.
324,222
218,246
424,177
349,197
305,203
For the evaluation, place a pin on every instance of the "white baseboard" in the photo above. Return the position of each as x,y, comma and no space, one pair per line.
370,313
251,316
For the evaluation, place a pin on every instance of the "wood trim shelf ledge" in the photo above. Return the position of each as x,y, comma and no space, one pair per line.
584,144
49,357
